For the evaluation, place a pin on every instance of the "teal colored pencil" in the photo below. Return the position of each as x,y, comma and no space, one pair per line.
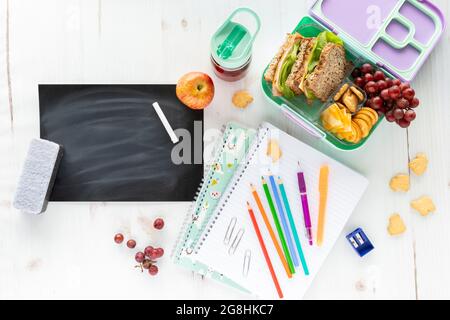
291,222
278,226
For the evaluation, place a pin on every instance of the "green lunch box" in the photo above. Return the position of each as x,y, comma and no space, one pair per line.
396,46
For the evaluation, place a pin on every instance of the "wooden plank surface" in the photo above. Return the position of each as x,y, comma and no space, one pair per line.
68,252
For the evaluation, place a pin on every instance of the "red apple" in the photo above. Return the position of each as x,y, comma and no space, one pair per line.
195,90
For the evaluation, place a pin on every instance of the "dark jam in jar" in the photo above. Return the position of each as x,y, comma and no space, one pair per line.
231,74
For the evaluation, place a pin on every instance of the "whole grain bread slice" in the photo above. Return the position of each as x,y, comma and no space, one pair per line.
329,73
270,72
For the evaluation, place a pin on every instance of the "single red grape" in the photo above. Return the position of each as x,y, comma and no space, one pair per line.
159,252
404,86
394,92
409,93
379,75
410,115
398,113
385,95
377,103
368,77
366,68
118,238
414,103
158,224
396,82
148,251
389,82
402,103
154,255
404,123
382,85
139,257
153,270
131,244
371,87
390,116
360,82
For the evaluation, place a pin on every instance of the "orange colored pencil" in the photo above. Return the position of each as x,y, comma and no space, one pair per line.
271,232
264,250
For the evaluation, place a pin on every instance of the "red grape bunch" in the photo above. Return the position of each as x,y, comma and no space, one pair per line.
147,260
389,97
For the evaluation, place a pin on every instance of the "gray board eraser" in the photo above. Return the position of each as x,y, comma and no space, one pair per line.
38,176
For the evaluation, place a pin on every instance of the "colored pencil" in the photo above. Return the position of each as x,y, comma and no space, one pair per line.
278,226
323,195
264,250
293,228
284,223
270,229
305,206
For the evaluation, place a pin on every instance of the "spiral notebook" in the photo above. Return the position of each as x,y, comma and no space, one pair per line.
245,264
230,150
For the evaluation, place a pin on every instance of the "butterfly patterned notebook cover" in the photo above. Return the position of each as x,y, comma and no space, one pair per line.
230,151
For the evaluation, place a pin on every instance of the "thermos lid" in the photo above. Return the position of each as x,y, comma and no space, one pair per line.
231,45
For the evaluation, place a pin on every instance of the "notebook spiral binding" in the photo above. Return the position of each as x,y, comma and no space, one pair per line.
200,194
262,132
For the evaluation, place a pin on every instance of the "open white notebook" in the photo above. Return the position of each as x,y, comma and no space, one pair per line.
246,264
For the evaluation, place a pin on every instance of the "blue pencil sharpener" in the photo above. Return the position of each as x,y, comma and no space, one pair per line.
360,242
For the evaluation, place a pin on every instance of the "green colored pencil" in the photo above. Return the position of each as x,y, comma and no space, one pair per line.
293,228
278,226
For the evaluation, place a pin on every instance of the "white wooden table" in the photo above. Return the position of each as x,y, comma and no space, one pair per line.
69,252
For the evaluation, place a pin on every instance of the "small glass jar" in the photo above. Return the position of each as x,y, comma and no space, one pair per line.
228,74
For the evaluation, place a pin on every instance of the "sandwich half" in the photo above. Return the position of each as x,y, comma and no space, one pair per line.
313,66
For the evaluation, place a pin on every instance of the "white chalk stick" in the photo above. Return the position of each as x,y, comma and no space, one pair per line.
165,123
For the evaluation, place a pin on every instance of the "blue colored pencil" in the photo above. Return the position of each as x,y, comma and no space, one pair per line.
293,228
282,215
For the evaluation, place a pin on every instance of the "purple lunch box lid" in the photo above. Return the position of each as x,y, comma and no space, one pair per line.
356,27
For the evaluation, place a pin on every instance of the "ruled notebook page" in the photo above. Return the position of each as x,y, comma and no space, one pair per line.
345,189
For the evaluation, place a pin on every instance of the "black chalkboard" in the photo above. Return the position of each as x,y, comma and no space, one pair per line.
115,146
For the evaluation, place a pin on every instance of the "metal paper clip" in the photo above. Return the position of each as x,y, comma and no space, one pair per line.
246,265
236,242
230,231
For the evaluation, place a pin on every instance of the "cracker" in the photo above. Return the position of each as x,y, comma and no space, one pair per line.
419,164
242,99
274,150
341,92
400,183
396,225
424,205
